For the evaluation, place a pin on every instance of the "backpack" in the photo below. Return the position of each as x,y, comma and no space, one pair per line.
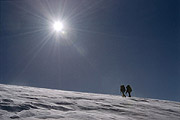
122,88
129,89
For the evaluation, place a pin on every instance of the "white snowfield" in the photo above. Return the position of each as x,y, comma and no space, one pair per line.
29,103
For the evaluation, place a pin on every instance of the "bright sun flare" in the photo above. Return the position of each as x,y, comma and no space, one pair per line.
58,26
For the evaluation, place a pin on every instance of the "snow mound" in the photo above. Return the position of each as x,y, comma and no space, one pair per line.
29,103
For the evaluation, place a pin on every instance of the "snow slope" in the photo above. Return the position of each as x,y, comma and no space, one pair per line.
29,103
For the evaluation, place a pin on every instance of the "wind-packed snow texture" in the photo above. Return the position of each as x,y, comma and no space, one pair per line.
28,103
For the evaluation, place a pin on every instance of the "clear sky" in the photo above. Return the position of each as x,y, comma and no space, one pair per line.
106,43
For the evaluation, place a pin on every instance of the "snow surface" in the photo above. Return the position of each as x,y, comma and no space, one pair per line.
29,103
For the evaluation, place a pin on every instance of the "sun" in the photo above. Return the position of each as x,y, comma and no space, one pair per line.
58,26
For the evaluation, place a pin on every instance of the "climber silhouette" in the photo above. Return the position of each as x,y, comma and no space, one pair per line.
122,89
128,90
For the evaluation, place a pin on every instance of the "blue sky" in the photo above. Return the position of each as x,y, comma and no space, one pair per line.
108,43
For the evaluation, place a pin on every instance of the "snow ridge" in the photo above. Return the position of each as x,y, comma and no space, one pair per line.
29,103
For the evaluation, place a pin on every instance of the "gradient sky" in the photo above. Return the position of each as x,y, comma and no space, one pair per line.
108,43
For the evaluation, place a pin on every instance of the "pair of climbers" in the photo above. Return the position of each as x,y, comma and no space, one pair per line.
128,90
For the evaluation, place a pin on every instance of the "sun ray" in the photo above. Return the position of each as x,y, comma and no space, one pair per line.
25,33
83,12
28,11
74,15
40,46
96,32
